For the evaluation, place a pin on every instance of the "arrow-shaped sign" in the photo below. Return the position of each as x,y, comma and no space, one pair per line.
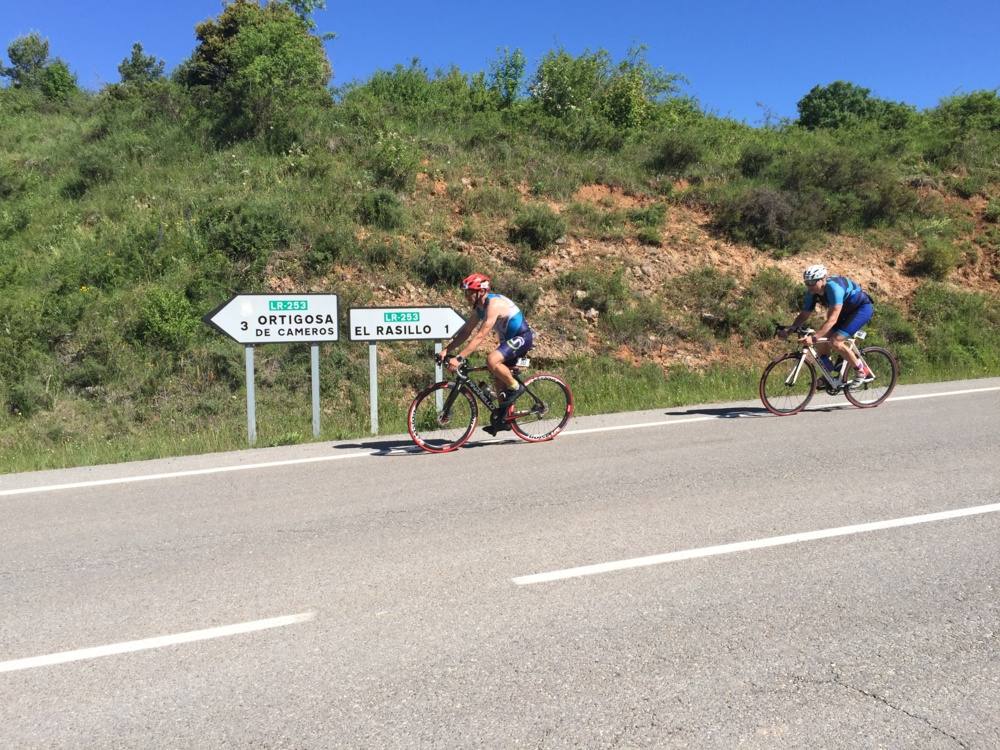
403,323
277,318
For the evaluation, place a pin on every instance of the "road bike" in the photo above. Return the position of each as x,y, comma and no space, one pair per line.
444,415
790,380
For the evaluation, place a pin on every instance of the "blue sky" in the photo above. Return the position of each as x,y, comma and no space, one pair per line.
742,59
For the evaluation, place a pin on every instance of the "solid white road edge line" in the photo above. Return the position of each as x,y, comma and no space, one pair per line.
774,541
148,643
368,454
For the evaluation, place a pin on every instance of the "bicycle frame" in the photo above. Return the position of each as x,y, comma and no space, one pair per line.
462,378
808,351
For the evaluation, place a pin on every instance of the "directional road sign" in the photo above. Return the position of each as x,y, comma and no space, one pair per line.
277,318
403,323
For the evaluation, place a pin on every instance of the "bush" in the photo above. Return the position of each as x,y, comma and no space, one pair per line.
754,159
245,231
537,226
592,289
167,319
524,293
992,212
393,161
28,398
96,166
675,153
381,209
12,221
937,258
762,216
443,267
329,247
491,201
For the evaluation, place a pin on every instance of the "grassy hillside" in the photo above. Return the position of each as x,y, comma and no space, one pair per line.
654,246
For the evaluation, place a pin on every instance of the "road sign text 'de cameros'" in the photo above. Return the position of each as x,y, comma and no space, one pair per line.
277,318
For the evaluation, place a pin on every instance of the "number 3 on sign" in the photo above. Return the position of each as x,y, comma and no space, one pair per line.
243,326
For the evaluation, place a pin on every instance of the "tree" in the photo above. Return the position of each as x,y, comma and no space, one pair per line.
57,81
564,84
28,55
140,68
840,103
507,75
257,71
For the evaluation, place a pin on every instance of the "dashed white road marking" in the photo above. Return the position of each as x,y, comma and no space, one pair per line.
774,541
149,643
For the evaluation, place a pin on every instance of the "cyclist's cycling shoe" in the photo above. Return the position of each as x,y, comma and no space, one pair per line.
493,429
861,378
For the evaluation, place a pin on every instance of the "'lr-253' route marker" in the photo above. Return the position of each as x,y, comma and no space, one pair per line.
253,319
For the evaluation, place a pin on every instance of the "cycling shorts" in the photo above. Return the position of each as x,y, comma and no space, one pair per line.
850,323
516,347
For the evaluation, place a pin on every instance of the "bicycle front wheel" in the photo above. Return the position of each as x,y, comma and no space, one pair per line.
886,371
440,430
785,387
543,410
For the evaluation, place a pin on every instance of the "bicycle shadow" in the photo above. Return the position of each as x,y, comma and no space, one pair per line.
407,448
729,412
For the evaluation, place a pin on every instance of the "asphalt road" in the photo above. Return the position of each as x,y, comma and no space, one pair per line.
411,630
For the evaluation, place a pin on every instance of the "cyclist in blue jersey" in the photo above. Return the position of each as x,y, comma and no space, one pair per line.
492,312
848,308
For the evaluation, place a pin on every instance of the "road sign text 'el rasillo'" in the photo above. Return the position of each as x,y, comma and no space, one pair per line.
277,318
403,323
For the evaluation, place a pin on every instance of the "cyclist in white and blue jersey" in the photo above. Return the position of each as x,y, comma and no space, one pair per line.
492,312
848,308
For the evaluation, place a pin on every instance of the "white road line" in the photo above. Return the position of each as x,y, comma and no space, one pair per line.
148,643
726,549
369,454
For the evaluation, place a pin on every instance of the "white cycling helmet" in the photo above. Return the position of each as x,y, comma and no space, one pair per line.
814,273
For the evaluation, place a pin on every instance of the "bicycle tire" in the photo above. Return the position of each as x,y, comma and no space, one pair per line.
543,411
782,399
424,421
886,369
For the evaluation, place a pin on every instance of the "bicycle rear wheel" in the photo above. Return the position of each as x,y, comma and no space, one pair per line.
543,410
784,391
441,431
883,364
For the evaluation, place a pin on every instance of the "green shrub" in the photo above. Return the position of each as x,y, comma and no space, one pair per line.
393,161
675,153
755,158
590,288
936,258
649,216
959,329
992,212
380,253
634,324
27,398
443,267
595,222
706,293
337,244
649,236
538,227
889,325
762,216
381,209
245,231
95,166
769,300
167,319
13,221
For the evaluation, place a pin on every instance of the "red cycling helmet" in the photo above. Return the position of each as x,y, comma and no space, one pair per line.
476,281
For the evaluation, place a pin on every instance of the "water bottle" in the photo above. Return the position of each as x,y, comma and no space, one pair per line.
487,390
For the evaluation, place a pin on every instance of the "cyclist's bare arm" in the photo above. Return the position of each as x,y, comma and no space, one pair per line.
461,335
831,317
801,318
492,313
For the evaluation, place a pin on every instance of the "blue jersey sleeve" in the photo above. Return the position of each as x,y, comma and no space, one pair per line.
809,303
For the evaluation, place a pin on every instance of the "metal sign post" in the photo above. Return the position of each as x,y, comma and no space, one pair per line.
373,324
254,319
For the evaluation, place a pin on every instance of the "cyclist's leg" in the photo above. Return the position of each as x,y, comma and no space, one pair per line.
500,361
848,325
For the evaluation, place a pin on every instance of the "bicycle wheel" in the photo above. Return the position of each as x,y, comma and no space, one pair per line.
441,431
883,364
782,390
543,410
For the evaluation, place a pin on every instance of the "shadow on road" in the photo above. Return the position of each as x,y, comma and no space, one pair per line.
732,412
406,447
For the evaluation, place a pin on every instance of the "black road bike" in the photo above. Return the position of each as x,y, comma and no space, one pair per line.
444,415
